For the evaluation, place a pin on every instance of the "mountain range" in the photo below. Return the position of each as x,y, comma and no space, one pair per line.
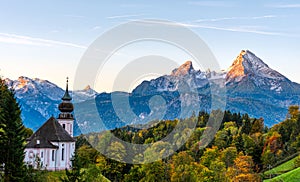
252,87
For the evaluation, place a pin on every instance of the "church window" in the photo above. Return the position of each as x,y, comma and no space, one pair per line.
42,154
64,126
62,153
53,153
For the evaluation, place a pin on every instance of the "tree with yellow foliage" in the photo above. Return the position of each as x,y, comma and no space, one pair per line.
242,171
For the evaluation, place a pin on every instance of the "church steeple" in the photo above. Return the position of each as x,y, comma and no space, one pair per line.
66,107
67,95
65,117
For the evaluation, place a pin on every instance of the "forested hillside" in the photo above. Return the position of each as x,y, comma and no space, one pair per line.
241,150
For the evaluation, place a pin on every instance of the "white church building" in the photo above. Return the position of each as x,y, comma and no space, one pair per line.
52,145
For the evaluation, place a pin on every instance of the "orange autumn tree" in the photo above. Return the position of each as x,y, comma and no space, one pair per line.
242,171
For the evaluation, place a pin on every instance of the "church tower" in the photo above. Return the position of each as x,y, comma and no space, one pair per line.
65,118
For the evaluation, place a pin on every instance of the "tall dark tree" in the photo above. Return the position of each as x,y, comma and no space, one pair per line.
246,128
12,136
75,174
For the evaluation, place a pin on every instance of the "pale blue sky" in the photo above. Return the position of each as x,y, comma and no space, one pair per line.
46,39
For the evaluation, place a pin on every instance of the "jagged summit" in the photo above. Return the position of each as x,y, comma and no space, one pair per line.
184,69
88,87
237,68
248,64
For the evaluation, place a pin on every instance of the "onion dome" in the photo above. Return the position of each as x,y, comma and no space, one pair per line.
66,107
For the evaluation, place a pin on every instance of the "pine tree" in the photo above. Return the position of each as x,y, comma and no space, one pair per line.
75,174
12,134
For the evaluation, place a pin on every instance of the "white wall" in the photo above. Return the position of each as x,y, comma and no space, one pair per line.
47,161
69,125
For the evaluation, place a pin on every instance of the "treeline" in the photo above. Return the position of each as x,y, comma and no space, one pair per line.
240,150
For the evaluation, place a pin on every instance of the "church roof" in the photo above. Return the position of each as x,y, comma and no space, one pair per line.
67,96
50,131
43,143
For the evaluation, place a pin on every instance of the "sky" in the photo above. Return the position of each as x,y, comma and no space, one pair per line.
47,39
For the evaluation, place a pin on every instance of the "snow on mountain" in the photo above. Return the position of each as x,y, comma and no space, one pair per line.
41,95
248,67
39,98
252,87
34,87
182,78
83,95
185,69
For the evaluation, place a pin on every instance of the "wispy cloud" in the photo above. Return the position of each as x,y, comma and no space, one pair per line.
243,29
124,16
211,3
236,18
284,5
149,22
26,40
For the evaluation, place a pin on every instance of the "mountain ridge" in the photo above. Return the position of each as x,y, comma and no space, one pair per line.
252,87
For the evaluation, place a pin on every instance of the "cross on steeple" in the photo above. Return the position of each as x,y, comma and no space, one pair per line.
67,87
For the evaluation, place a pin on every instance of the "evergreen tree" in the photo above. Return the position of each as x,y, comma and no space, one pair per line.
12,136
75,174
246,128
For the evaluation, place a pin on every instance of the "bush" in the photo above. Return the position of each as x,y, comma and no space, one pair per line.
297,162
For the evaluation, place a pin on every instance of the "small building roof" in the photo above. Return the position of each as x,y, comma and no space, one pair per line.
50,131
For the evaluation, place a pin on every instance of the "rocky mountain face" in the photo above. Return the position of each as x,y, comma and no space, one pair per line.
39,98
249,68
252,87
185,74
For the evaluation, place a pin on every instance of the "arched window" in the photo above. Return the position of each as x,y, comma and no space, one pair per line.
53,155
62,154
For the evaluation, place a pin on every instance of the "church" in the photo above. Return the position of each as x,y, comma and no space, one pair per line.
52,145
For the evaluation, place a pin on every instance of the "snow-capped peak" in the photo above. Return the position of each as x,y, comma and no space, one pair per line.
248,63
184,69
249,69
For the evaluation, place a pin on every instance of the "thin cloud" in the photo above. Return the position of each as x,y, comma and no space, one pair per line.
211,3
26,40
149,22
284,6
124,16
242,29
236,18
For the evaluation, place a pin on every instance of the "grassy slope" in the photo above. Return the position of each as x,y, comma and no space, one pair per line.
54,175
292,176
287,166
